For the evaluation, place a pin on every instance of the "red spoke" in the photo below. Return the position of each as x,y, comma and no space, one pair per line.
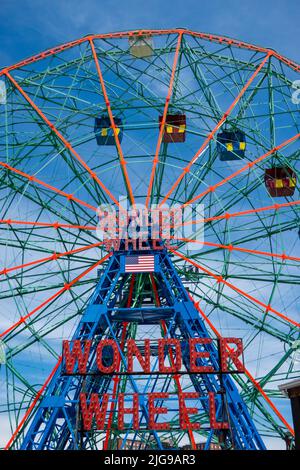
250,165
116,381
162,128
62,139
123,162
249,375
36,399
55,225
219,279
54,296
216,128
54,256
275,207
256,64
282,256
31,178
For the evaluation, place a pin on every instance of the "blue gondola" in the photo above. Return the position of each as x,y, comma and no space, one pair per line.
104,132
231,145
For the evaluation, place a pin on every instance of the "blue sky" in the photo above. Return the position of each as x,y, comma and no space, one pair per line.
29,26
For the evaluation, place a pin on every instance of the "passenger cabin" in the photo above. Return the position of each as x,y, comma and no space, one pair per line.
280,181
231,145
104,132
175,127
141,46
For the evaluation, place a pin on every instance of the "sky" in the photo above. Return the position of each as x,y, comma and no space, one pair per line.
29,26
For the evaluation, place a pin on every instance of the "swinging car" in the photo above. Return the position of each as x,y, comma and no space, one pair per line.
231,145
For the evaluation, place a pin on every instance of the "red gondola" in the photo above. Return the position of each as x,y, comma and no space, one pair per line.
280,181
141,46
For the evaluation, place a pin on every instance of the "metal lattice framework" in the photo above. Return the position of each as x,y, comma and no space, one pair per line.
54,176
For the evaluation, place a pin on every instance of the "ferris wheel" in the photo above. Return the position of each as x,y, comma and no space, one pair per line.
160,117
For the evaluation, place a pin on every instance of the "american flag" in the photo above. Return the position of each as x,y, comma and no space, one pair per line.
139,264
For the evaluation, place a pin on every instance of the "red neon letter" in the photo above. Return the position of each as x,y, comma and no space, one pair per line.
226,352
94,408
156,411
134,410
133,350
108,369
184,411
70,358
194,355
214,424
176,363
